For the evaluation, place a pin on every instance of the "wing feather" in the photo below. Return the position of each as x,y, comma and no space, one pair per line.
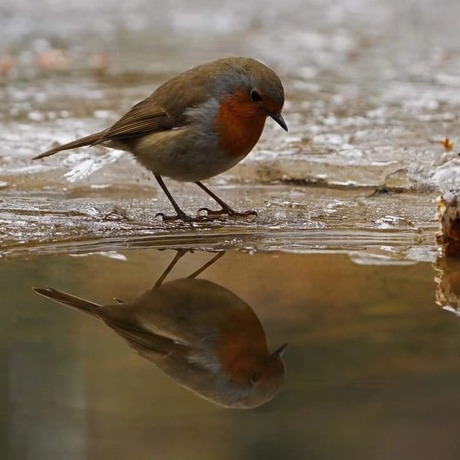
144,118
141,339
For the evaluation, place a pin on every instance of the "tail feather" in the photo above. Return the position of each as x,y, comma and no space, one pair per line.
68,300
82,142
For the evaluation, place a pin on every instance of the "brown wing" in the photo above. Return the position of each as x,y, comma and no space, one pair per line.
141,339
165,109
143,118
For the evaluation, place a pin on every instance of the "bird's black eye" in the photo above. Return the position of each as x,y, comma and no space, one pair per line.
255,378
255,96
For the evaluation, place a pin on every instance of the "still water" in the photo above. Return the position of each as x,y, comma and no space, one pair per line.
371,369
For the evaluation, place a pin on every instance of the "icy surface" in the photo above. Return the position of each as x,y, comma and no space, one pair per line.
372,89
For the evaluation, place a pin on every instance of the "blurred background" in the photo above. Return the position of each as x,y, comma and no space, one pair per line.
372,85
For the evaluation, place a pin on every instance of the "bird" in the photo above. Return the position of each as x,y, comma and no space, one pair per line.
201,334
196,125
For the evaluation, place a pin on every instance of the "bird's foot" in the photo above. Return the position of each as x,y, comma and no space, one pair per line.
179,216
186,218
228,211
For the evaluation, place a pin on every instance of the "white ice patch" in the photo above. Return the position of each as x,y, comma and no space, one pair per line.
360,258
447,176
85,168
108,254
452,310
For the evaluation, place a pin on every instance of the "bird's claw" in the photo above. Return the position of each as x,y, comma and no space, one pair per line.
248,213
179,216
185,218
228,211
210,215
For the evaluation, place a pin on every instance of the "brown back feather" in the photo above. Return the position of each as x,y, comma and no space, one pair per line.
166,107
144,118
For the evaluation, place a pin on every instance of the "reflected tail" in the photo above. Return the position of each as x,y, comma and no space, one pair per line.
68,300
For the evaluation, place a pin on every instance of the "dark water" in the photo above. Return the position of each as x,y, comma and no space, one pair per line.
372,367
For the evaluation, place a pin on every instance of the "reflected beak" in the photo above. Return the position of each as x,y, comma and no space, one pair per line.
278,353
280,120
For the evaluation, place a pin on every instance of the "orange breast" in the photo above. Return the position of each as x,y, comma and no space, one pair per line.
242,344
239,126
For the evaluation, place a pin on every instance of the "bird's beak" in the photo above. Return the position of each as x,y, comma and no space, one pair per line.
280,120
278,353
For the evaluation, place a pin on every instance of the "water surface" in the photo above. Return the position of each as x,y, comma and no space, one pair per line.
371,368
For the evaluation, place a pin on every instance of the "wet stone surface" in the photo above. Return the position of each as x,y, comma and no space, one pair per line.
370,93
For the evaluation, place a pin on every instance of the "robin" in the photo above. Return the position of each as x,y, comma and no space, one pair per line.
197,125
201,334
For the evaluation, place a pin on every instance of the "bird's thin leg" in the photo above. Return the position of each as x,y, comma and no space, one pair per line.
180,214
207,265
179,254
226,209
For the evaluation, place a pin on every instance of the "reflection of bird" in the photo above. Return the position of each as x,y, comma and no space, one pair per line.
199,333
197,125
448,213
448,284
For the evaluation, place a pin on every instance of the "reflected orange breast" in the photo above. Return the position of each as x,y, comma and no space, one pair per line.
242,345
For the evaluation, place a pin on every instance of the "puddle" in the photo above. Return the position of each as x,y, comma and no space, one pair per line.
370,357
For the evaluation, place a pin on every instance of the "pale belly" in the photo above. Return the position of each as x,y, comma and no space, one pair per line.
181,155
